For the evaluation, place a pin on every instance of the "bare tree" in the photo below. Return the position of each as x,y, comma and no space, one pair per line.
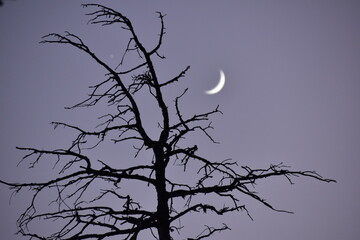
79,217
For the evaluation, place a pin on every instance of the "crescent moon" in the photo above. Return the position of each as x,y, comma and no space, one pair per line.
219,86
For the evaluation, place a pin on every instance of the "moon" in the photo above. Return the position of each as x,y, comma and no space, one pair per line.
219,86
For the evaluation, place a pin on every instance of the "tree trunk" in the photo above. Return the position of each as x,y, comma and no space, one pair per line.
163,214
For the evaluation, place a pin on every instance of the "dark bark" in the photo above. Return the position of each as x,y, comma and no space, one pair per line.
163,213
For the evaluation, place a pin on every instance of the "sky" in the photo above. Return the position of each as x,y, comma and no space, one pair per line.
291,95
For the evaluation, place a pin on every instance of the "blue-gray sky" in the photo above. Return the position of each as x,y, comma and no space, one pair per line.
292,95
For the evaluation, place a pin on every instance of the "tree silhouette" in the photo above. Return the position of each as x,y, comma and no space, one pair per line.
92,201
